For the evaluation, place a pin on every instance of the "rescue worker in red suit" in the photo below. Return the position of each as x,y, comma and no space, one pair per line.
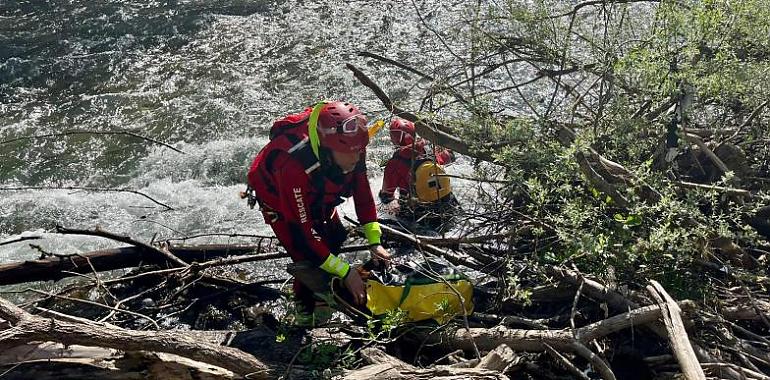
398,176
300,177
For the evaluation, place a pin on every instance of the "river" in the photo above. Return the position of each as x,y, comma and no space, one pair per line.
204,77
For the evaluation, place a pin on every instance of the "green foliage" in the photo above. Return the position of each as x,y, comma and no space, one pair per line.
384,325
319,355
718,52
517,292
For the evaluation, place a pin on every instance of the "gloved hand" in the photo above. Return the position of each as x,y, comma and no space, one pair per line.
379,253
355,286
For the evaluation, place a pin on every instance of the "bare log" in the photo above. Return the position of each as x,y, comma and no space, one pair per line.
535,340
498,359
386,367
747,312
56,268
617,302
75,363
28,328
680,343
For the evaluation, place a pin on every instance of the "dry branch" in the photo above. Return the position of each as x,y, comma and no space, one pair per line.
86,132
617,302
534,340
424,128
566,363
124,239
55,268
680,342
449,256
600,182
707,151
94,189
23,238
386,367
28,328
598,363
722,189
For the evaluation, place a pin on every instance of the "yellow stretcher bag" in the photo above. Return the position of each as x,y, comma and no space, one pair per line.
422,298
430,181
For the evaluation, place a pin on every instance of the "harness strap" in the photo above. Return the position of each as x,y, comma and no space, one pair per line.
304,153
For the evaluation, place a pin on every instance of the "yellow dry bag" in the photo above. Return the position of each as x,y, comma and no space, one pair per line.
421,297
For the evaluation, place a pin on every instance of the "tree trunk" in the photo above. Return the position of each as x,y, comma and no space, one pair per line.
56,268
28,328
386,367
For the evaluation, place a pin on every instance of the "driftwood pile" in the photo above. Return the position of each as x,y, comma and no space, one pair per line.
178,314
175,316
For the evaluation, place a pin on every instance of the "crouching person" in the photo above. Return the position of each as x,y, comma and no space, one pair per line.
313,160
425,197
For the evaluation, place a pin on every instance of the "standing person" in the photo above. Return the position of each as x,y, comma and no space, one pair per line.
424,197
313,160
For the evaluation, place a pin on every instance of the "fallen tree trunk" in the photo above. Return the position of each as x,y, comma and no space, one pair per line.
680,342
536,340
56,268
29,328
49,361
386,367
161,253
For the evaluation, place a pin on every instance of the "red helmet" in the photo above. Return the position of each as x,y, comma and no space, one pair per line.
402,132
342,127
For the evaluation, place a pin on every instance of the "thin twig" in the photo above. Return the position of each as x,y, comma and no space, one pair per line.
598,363
123,239
87,132
395,63
95,189
561,358
584,4
96,304
23,238
574,306
757,111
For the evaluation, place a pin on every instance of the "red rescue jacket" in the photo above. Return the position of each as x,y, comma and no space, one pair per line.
305,201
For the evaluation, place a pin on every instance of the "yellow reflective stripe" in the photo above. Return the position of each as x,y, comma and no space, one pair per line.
312,127
335,266
372,232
